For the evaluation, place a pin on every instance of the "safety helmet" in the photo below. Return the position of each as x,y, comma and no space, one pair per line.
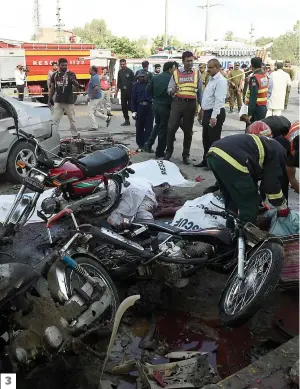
259,128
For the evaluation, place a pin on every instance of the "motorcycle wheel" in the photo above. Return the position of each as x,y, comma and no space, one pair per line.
95,269
114,194
241,299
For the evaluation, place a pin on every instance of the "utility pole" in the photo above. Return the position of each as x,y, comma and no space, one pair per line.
207,6
36,19
166,24
59,26
251,33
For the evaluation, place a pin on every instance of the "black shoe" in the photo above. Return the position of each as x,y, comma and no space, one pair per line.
231,109
201,164
126,123
148,149
186,160
167,156
109,114
159,157
285,107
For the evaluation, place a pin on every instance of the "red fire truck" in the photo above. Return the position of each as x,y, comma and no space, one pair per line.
37,58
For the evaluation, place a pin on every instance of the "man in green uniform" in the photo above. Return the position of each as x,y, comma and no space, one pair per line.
287,68
235,78
257,93
238,163
158,88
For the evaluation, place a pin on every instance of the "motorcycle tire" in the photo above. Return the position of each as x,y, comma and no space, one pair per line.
267,286
88,263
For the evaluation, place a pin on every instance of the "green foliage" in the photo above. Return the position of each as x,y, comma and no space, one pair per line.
286,46
262,41
158,42
123,47
95,32
229,36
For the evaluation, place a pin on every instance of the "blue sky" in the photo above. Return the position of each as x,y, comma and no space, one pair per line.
134,18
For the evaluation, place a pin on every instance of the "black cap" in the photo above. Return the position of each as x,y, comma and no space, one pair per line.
237,63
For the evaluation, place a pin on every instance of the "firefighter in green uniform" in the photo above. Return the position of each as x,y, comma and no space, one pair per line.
287,68
257,93
238,163
235,78
205,78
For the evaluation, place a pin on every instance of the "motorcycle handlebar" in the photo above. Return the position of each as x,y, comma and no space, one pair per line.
223,214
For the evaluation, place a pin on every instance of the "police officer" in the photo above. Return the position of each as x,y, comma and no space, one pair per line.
257,93
239,162
145,69
141,104
287,68
235,77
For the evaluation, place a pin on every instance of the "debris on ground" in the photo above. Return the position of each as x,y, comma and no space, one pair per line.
189,372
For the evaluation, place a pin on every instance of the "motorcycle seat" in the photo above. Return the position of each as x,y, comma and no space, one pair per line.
104,161
15,278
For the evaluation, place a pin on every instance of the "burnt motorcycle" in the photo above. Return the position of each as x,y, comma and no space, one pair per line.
45,317
156,250
91,183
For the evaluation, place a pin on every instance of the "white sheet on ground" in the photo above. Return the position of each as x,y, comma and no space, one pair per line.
192,217
6,202
158,172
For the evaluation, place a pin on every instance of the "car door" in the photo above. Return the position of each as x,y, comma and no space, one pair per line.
7,131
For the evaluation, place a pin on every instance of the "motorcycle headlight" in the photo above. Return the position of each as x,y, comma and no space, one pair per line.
39,177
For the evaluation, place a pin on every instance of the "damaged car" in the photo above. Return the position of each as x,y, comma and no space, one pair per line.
35,119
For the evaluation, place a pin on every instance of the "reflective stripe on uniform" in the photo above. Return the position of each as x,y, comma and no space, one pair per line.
261,150
262,90
275,196
228,158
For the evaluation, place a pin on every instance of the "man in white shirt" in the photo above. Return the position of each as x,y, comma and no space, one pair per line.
280,81
213,103
20,76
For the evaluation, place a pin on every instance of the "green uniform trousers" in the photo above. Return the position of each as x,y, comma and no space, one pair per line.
239,191
234,95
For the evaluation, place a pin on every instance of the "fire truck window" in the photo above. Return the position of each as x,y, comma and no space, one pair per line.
4,113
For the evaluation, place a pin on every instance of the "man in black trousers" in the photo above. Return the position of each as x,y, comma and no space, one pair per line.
124,84
213,103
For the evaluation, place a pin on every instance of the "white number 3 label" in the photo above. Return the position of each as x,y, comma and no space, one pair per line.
8,381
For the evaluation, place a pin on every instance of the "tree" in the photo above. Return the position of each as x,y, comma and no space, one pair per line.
229,36
286,46
158,42
95,32
123,47
262,41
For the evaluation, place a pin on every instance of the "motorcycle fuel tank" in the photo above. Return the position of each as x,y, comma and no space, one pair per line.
68,171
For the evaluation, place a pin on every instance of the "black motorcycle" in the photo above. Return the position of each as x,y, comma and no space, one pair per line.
50,309
157,250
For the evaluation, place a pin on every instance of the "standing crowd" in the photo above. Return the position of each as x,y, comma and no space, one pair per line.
173,97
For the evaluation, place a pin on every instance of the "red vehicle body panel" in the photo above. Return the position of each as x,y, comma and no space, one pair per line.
79,184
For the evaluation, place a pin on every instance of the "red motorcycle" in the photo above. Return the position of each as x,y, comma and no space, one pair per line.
90,183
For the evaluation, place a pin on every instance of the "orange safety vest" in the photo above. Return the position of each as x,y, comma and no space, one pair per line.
187,84
262,96
293,132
